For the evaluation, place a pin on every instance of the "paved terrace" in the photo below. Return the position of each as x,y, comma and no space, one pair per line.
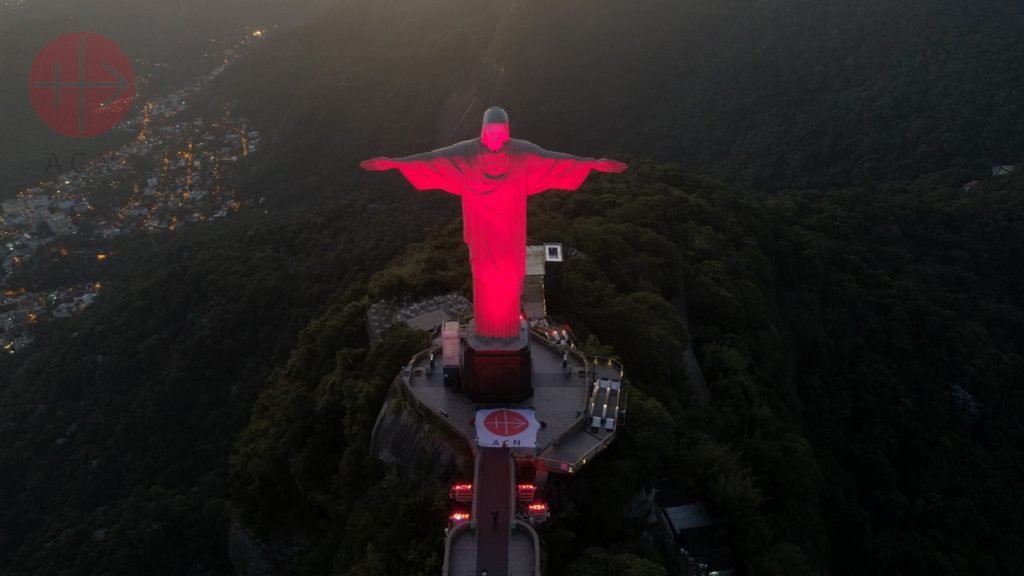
561,399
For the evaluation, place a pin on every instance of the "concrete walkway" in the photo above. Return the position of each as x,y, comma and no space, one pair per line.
494,513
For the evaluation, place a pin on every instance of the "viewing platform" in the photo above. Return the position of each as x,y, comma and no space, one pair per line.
557,408
572,414
577,407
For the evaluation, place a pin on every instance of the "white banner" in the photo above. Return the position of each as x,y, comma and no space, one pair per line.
497,428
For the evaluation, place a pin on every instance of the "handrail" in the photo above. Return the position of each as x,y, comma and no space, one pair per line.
536,544
448,540
407,371
574,465
585,358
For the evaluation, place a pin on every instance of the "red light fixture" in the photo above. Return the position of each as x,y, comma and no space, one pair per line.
526,492
538,512
461,493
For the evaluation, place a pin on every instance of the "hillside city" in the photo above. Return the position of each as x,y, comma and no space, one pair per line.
169,176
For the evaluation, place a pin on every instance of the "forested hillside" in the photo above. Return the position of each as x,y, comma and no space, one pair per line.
865,396
858,315
775,93
115,428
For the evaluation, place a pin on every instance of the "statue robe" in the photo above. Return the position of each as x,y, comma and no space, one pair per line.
494,187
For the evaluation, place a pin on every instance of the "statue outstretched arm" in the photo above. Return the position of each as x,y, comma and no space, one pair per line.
564,171
433,170
609,165
378,164
598,164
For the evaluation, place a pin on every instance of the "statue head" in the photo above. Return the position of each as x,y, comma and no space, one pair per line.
494,132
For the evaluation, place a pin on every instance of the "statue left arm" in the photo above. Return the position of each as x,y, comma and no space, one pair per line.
560,171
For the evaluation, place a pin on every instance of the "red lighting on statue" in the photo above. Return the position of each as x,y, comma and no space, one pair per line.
494,174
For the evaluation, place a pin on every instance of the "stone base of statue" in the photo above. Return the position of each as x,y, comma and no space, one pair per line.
497,370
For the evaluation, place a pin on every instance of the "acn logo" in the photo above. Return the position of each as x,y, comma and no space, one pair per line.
506,423
81,85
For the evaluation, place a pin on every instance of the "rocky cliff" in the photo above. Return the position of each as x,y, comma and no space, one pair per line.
411,442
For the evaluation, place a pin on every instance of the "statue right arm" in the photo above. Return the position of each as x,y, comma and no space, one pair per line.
439,169
434,170
378,164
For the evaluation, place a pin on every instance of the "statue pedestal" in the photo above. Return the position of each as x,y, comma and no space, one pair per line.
497,370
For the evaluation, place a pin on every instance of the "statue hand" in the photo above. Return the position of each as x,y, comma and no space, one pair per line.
606,165
380,163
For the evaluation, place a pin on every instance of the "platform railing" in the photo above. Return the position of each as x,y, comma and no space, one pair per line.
584,357
571,467
525,526
422,407
452,533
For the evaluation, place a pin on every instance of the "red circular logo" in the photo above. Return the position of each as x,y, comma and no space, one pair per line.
81,85
506,423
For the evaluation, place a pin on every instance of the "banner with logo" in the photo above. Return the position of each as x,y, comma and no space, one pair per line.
502,427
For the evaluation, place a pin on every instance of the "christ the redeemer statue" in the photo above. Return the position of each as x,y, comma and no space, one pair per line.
494,174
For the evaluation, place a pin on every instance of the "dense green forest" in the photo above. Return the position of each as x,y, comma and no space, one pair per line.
118,424
859,317
775,94
865,406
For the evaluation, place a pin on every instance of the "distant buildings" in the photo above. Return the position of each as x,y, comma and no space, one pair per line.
170,175
15,208
22,309
59,224
37,201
